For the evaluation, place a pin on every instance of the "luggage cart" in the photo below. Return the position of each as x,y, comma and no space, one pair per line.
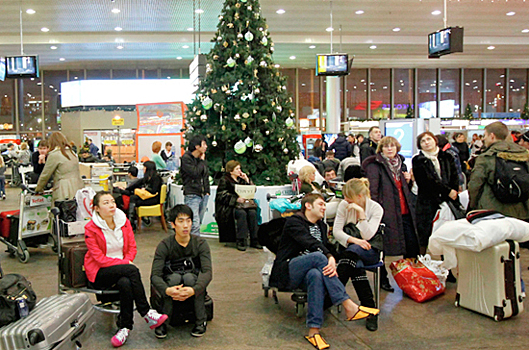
32,227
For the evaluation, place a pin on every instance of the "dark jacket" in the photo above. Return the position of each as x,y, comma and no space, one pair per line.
195,175
367,148
479,189
225,202
307,188
464,151
153,186
296,239
37,168
342,148
384,191
433,190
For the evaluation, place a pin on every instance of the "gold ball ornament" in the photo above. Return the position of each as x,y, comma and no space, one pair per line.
243,126
223,127
225,44
237,5
245,115
230,25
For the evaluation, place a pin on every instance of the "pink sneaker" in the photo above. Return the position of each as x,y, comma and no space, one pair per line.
154,319
120,338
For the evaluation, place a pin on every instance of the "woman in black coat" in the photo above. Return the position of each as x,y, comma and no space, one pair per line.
236,216
437,181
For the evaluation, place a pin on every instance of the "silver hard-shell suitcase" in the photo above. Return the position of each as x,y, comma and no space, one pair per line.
489,281
62,322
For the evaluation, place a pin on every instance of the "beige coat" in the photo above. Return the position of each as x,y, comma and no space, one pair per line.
65,172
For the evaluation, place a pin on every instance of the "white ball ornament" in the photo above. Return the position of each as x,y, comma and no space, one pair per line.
289,122
207,103
267,132
214,143
264,41
244,1
204,117
231,62
248,142
248,36
285,151
239,147
263,64
258,148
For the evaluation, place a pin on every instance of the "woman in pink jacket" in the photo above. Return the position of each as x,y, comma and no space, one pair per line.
108,264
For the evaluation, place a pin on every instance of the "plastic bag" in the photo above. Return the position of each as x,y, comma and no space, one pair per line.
416,280
283,204
84,198
435,266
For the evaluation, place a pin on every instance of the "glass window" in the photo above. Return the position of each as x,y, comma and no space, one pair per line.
427,93
52,98
357,94
7,105
495,101
517,89
170,73
380,102
98,74
123,73
148,74
403,90
450,96
31,118
76,75
472,88
309,100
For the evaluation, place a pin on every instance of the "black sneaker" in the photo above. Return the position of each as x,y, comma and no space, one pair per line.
241,245
161,332
256,245
199,330
372,323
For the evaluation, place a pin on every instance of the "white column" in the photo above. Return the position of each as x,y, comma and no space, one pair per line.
332,124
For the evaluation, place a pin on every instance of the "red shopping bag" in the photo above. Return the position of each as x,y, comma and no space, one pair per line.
416,280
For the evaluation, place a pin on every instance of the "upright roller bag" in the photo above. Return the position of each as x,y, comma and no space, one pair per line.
489,282
73,274
59,322
5,222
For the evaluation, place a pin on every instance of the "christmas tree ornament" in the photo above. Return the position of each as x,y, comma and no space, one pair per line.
248,36
221,17
245,115
279,108
213,91
257,90
237,117
258,148
255,111
280,139
263,64
243,126
240,36
249,60
244,1
264,41
214,143
285,151
230,25
228,92
207,103
224,87
256,15
248,142
289,122
231,62
223,128
265,120
238,5
225,44
219,38
249,7
267,132
244,97
274,117
204,118
199,112
239,147
236,15
237,55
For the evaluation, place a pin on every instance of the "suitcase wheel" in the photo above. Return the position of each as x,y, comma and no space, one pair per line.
456,303
497,318
300,309
502,259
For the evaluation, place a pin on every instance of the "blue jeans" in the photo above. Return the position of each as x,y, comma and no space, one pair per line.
306,273
367,257
2,186
198,205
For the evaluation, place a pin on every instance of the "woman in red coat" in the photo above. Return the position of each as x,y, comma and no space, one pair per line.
108,264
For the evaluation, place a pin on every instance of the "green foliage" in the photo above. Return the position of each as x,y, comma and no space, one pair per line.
243,96
468,112
409,111
525,112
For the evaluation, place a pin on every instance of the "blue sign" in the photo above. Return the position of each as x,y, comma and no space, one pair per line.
403,132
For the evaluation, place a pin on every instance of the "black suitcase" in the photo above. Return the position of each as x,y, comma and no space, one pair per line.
71,262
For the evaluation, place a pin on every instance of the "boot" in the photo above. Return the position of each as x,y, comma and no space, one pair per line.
384,280
241,245
132,215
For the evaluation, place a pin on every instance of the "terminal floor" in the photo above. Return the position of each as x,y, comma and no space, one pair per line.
245,319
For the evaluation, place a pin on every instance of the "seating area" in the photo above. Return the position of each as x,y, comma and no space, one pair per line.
245,319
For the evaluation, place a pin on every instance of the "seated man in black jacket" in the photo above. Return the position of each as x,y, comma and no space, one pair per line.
304,261
181,269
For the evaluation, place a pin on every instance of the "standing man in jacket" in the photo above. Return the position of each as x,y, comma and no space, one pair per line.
479,188
369,145
195,176
342,148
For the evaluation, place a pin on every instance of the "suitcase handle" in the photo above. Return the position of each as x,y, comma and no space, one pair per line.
78,332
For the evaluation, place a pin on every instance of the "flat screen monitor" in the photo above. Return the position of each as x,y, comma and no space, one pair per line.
330,138
2,69
445,41
22,67
332,64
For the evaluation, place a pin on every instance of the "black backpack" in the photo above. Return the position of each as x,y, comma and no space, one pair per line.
511,181
269,233
12,287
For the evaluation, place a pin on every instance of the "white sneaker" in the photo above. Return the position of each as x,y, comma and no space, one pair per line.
4,197
120,338
154,319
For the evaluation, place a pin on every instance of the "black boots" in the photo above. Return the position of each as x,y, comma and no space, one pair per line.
132,215
241,245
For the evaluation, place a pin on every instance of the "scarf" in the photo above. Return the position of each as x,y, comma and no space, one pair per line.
433,157
394,165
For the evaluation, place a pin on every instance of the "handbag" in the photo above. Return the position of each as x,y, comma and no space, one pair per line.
144,194
247,204
67,210
377,241
15,290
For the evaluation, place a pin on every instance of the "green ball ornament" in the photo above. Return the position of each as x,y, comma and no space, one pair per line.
248,142
239,147
207,103
244,1
289,122
274,117
249,60
248,36
231,62
264,41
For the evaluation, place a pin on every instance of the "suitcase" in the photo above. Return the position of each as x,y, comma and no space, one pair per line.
59,322
5,222
73,274
489,282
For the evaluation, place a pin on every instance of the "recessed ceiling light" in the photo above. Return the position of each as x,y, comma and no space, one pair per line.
277,65
44,29
490,48
436,12
185,47
53,47
292,57
396,29
190,29
312,46
62,59
372,47
280,11
525,30
119,47
359,12
199,11
116,10
31,11
118,29
512,13
179,58
330,29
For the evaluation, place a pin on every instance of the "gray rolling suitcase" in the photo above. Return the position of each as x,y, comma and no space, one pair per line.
489,281
59,322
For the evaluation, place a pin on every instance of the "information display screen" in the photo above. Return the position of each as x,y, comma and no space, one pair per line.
337,64
22,67
2,69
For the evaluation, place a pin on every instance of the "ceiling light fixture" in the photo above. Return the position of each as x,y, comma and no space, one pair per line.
199,11
396,29
280,11
44,29
185,47
118,29
53,47
190,29
372,47
359,12
436,13
31,11
330,29
292,57
62,59
312,46
119,47
179,58
491,47
512,13
525,30
115,10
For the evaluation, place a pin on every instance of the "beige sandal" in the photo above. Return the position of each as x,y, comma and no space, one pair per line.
317,341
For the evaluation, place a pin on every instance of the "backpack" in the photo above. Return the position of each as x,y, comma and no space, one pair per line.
270,233
12,287
511,181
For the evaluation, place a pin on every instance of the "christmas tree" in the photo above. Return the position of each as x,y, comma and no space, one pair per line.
525,112
468,112
409,111
242,106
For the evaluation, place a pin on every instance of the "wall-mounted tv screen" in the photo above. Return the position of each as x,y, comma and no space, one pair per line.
332,64
445,41
22,67
2,69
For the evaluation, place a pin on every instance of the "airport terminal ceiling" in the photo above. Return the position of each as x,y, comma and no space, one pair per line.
74,34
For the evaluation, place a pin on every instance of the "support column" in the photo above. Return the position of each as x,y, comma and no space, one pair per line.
20,104
333,105
15,105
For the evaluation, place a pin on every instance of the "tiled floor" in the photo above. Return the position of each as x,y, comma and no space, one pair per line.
245,319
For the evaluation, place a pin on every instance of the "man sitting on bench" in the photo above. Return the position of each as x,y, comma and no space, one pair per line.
304,261
182,269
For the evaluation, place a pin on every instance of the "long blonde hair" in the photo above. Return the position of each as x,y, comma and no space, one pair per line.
305,172
355,187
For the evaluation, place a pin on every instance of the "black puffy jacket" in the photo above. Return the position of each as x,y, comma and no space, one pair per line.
195,175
